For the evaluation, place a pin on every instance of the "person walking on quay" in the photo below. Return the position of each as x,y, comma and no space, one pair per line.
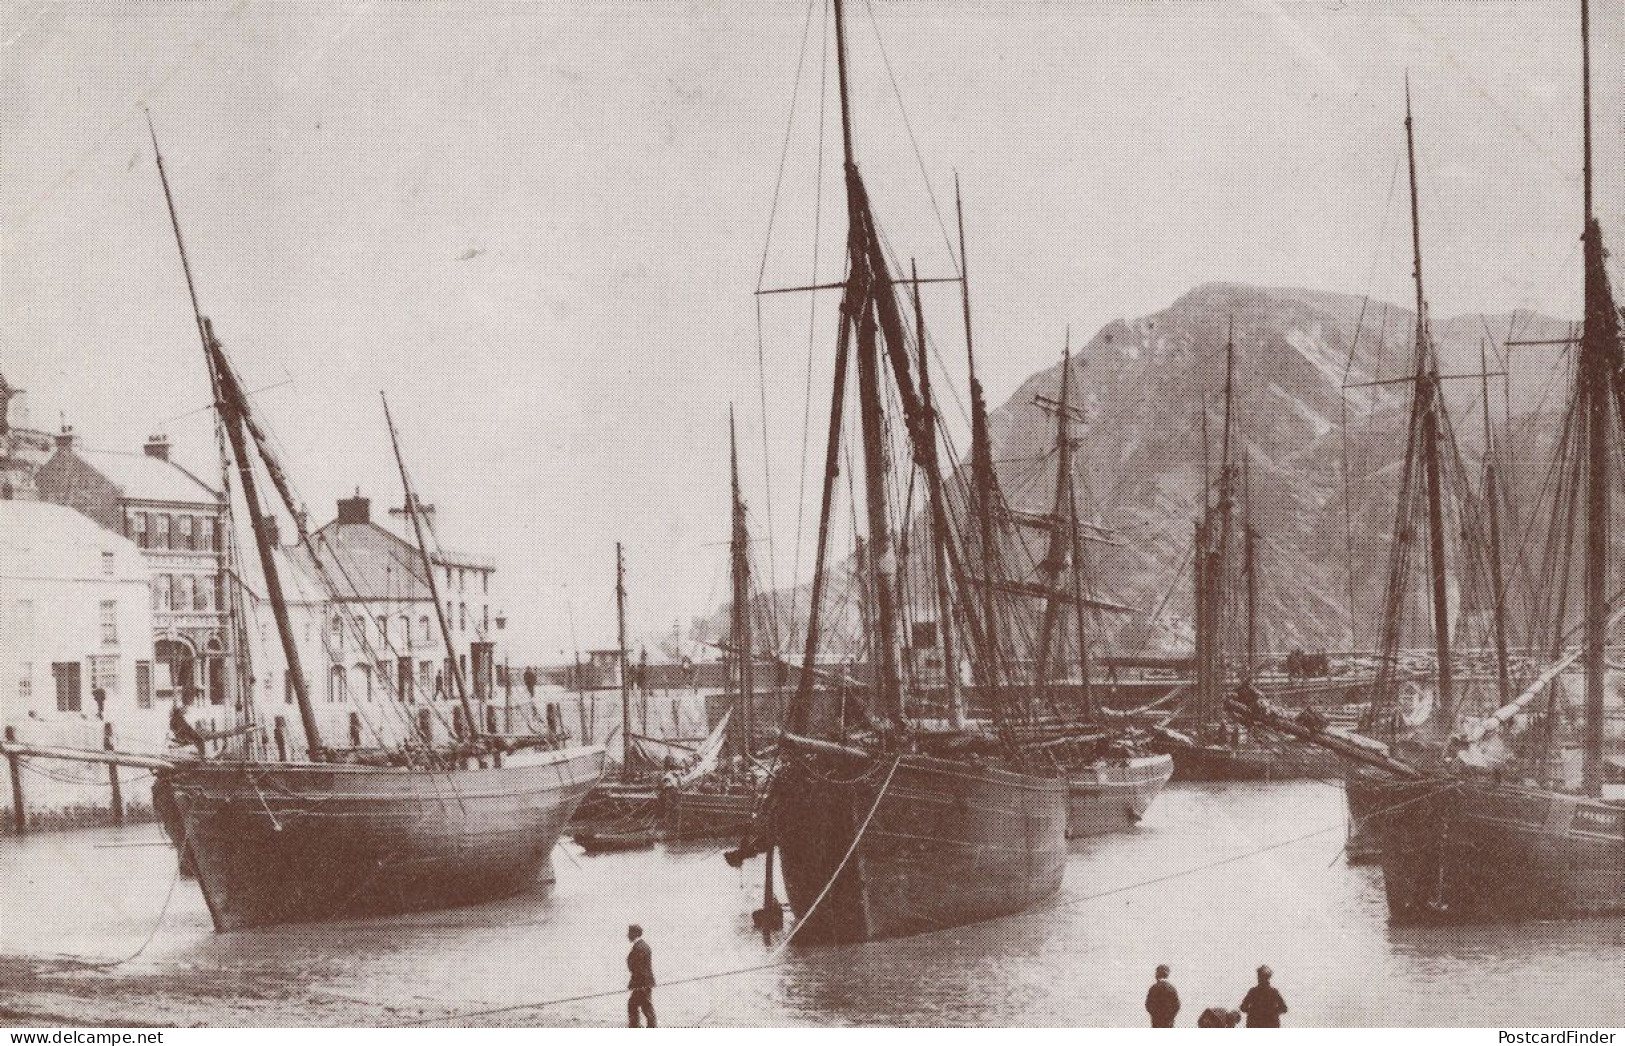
1263,1004
640,962
1162,1001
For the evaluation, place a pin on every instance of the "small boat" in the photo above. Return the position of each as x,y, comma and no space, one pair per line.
1111,795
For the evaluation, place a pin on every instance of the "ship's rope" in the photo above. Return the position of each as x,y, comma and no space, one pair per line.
777,957
863,829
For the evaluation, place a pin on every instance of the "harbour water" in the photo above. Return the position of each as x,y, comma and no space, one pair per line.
1217,880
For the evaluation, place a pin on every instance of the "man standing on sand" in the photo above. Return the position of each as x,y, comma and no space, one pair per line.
1263,1004
1162,1001
640,962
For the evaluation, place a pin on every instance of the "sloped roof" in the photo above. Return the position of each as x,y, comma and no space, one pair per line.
146,478
40,539
368,561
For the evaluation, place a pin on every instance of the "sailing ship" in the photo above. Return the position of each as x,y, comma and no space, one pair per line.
1112,774
1475,830
1205,743
405,826
888,822
1415,712
715,798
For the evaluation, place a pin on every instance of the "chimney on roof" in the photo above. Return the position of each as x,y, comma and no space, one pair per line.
64,439
158,447
355,510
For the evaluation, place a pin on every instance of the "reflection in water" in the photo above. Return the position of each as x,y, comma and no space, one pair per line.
1086,959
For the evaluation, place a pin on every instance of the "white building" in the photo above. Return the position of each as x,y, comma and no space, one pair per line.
396,679
75,623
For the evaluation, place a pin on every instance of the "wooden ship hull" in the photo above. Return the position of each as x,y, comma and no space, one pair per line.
698,814
1112,795
1245,760
276,843
1454,850
948,843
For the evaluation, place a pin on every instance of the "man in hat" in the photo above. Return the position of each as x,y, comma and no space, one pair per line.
640,962
1162,1001
1263,1004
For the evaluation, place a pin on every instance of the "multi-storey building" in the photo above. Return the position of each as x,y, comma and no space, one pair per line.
369,638
75,649
175,519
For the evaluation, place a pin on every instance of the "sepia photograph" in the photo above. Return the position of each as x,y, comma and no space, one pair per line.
812,513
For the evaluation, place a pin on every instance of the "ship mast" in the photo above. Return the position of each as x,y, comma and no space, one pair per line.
1060,551
440,613
867,296
233,411
1600,368
983,483
1492,505
623,663
1426,409
1212,550
741,623
939,524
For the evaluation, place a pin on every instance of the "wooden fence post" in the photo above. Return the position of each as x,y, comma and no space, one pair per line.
19,813
112,776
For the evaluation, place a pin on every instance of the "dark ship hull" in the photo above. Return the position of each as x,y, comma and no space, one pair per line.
302,842
1465,851
698,814
949,843
1112,795
1246,759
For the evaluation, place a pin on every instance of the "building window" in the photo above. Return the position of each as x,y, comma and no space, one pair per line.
140,528
462,617
338,632
335,685
200,592
426,679
383,630
108,563
109,623
361,681
160,590
219,592
143,684
185,535
448,577
104,673
403,679
66,674
406,631
160,537
25,683
205,534
424,635
178,600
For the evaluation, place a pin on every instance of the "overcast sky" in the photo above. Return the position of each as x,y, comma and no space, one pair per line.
539,226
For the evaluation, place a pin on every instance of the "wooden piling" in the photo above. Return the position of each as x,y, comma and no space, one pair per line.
112,776
19,813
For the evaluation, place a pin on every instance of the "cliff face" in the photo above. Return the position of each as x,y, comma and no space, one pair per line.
1142,384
